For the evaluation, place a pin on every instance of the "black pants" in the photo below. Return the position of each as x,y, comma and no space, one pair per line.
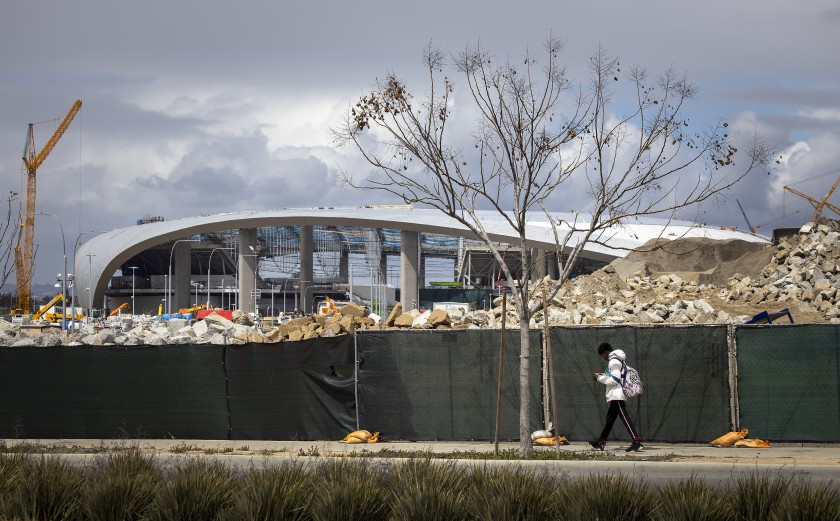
618,410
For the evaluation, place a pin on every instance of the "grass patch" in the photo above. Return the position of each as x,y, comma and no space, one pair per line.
122,485
350,491
196,490
282,492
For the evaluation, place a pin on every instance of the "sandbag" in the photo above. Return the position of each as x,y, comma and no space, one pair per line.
361,437
728,439
549,441
542,434
753,444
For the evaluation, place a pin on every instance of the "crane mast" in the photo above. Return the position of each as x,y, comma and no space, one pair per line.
24,252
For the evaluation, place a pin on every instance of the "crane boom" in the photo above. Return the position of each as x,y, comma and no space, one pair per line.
23,253
818,205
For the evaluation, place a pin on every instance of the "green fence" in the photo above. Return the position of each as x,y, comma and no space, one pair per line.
784,386
789,382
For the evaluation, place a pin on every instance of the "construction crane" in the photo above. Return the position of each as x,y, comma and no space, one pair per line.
23,253
818,205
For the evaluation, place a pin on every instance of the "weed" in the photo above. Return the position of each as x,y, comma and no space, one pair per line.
691,499
755,496
122,485
311,451
183,448
283,492
196,490
808,501
45,488
350,491
423,489
607,497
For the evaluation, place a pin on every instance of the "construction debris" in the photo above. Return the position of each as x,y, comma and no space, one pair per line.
686,281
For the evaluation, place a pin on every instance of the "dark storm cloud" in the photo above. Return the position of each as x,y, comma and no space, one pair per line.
206,106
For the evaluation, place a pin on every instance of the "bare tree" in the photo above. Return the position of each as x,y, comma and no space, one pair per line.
538,131
9,234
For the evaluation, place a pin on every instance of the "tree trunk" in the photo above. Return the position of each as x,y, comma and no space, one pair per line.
524,385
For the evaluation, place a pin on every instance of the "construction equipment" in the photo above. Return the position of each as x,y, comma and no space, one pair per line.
121,307
193,309
750,226
818,205
23,253
46,308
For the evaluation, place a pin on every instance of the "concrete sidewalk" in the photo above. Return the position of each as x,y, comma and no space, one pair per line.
779,453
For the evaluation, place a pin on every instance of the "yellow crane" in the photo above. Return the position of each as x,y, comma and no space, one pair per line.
23,253
818,205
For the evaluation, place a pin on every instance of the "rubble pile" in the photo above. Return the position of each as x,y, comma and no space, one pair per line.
687,281
803,275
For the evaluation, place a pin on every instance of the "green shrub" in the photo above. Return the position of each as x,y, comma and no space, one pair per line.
426,489
197,490
121,486
692,499
284,492
809,501
350,490
754,496
607,497
514,493
44,488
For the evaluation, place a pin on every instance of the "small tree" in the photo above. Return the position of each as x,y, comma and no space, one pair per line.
9,234
537,131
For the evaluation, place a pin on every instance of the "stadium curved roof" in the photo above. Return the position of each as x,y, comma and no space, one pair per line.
107,252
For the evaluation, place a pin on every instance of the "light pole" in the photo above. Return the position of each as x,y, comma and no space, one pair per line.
310,286
210,265
73,287
196,285
132,268
169,285
64,276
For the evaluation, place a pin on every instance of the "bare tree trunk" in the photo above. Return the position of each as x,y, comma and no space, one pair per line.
524,386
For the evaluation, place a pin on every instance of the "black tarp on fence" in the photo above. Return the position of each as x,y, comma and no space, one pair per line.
789,382
426,385
684,370
292,390
111,392
442,385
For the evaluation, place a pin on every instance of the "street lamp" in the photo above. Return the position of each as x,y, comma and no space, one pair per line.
196,285
169,285
63,277
210,265
133,309
73,287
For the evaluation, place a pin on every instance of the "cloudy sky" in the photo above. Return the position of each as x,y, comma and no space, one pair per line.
194,107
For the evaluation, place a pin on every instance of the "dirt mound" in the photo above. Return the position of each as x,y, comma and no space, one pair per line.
696,259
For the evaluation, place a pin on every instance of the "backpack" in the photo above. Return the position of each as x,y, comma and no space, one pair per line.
631,382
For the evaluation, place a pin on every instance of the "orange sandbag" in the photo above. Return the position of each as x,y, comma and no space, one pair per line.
753,444
550,441
361,437
728,439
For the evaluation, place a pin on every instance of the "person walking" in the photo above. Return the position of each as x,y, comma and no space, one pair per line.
612,379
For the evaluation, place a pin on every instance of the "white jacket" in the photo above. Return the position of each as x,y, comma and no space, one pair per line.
614,391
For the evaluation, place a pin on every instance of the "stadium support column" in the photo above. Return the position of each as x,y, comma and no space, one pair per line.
409,259
247,268
306,296
539,259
